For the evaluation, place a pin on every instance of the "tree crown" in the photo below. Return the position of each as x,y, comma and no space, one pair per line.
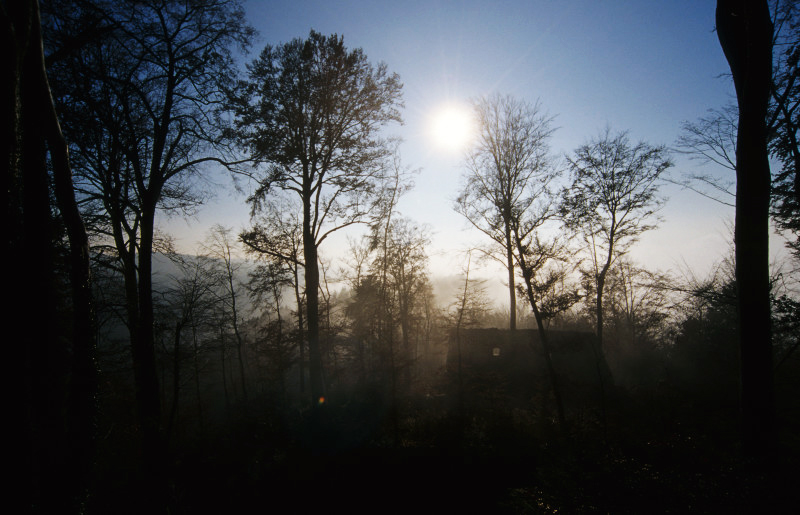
614,191
508,168
312,110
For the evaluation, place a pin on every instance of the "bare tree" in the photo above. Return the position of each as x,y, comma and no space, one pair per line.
276,239
142,100
192,296
784,118
468,309
612,200
409,278
507,195
508,171
711,139
219,245
275,352
311,110
533,256
639,304
390,261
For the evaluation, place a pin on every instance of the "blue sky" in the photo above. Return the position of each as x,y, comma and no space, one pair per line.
640,66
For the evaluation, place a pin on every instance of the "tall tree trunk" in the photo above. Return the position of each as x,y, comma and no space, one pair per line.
459,322
62,416
235,318
745,33
526,275
300,326
82,407
145,371
176,379
387,320
601,283
605,378
512,292
196,363
598,345
283,361
601,286
312,315
47,348
408,356
224,366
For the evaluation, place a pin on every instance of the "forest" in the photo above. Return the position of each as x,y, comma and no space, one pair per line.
258,373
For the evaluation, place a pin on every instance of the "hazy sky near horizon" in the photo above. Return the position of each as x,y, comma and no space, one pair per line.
639,66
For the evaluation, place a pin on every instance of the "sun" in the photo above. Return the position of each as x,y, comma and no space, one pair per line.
452,127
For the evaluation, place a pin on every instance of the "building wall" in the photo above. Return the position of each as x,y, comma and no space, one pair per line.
505,365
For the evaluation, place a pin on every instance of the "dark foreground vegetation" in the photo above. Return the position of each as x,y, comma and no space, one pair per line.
664,450
484,439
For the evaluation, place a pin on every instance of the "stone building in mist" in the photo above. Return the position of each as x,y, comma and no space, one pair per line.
503,366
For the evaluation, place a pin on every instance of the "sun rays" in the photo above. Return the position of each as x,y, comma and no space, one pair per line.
451,127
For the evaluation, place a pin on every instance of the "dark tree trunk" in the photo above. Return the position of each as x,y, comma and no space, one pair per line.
312,317
224,374
745,32
512,292
601,283
604,377
61,399
176,379
548,356
546,351
300,325
145,371
229,271
239,342
47,348
196,363
82,403
601,286
407,361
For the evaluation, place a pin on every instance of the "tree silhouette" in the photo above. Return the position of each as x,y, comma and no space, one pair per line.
142,103
612,200
193,298
508,171
58,382
467,309
712,138
784,118
220,246
276,239
311,110
745,33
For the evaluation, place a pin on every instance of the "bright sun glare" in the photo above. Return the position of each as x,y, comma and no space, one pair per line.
452,127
